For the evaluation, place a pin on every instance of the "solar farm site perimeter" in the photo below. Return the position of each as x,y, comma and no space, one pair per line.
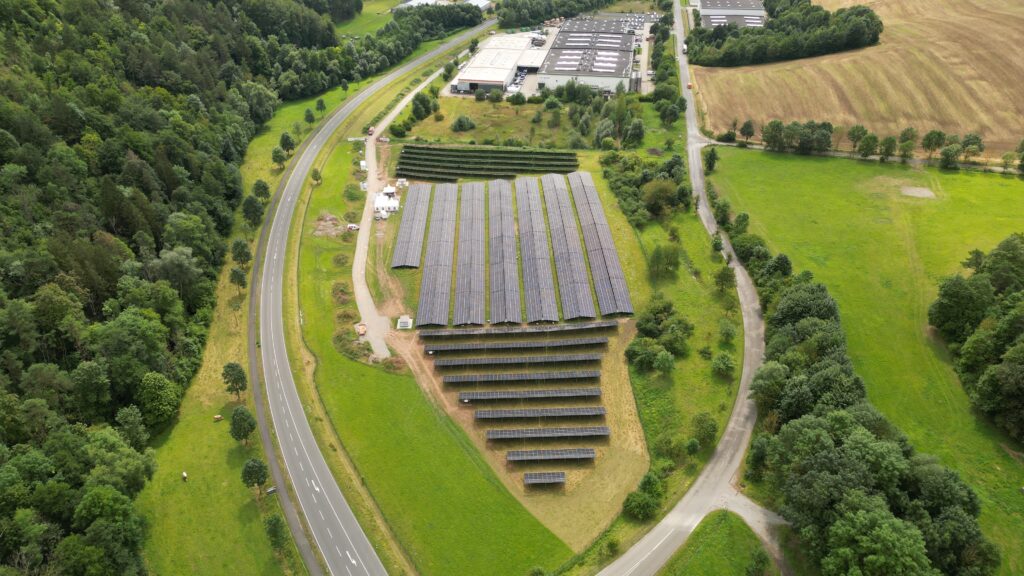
593,489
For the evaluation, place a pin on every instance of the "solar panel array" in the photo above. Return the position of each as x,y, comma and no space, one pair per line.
409,244
561,454
520,330
605,268
517,345
577,412
573,284
517,360
538,283
469,274
436,285
499,395
522,377
534,478
560,432
504,260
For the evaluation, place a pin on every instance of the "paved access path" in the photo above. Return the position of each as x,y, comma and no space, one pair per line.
713,489
377,324
343,545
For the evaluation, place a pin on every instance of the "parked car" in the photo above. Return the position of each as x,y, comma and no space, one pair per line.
352,227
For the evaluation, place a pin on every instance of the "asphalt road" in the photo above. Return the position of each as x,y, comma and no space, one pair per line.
713,489
343,545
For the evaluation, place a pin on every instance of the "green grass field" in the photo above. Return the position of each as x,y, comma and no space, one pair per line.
721,545
375,14
500,121
881,255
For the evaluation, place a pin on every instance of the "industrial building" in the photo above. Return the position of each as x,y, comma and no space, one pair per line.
596,51
496,62
742,13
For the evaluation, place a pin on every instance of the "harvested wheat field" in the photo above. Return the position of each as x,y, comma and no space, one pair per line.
940,64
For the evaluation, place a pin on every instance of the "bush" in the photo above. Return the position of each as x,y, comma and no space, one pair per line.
640,506
462,124
704,429
723,366
480,95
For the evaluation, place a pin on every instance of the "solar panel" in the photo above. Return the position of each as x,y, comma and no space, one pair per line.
605,268
543,455
499,395
517,360
535,478
504,256
519,413
573,285
469,274
538,282
436,284
522,377
519,330
516,345
531,433
409,244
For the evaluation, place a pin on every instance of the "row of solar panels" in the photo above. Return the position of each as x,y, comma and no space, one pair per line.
436,284
524,413
409,244
508,378
545,394
519,330
516,345
517,360
605,268
469,274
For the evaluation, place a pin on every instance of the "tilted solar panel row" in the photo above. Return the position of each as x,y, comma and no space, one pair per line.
518,413
538,283
519,330
517,344
436,284
573,285
609,280
528,433
560,454
522,377
499,395
409,244
469,274
504,256
517,360
534,478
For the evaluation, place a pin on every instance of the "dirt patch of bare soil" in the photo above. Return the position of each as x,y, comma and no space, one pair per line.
917,192
328,225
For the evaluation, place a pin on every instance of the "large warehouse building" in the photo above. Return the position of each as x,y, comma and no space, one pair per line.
496,62
594,50
743,13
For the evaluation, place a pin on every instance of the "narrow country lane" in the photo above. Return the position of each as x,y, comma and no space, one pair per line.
343,544
714,488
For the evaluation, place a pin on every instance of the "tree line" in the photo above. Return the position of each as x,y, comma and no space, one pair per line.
122,126
981,317
516,13
855,490
795,29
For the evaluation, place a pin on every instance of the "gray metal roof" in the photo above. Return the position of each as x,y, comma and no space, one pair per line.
587,62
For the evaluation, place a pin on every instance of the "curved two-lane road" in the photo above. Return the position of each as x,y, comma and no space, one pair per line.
713,489
343,545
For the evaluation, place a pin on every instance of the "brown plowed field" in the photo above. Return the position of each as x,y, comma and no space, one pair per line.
955,66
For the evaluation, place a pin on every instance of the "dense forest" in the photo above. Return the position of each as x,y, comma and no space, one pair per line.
795,29
122,125
981,316
516,13
861,498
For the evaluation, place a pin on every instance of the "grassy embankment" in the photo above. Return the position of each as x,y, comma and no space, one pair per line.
399,442
212,524
881,255
941,64
375,15
501,121
721,545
